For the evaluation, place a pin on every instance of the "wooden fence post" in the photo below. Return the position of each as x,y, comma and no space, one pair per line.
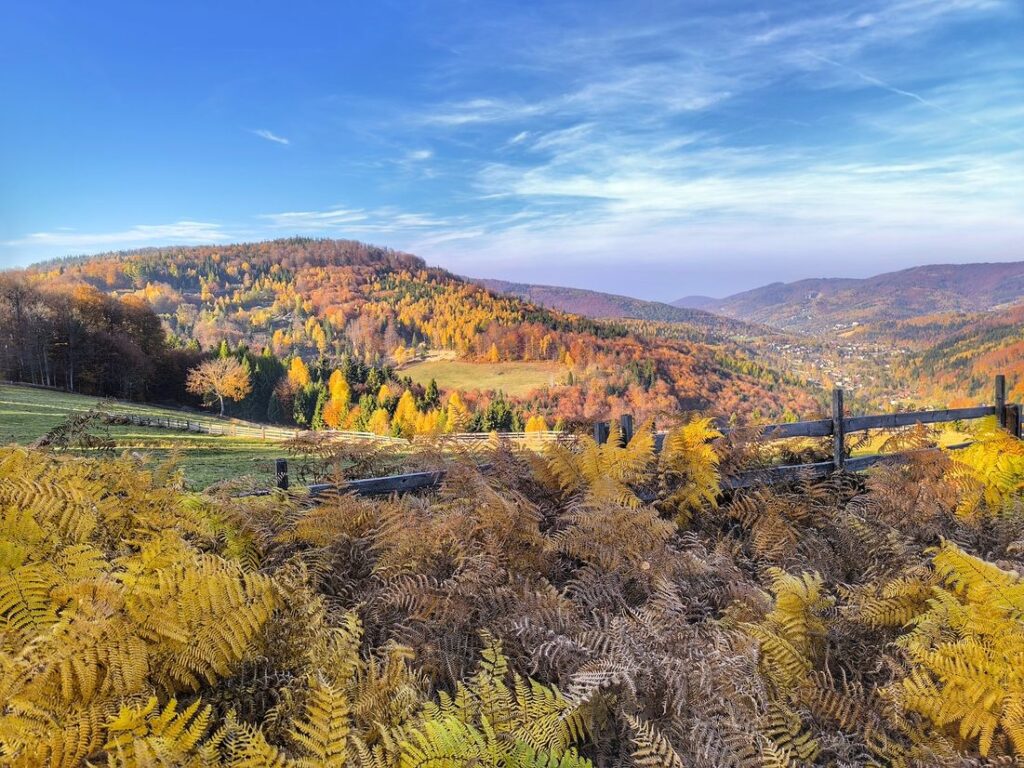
1001,400
1013,425
626,423
600,432
838,430
281,470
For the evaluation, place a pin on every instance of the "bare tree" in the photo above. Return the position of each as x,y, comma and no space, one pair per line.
219,378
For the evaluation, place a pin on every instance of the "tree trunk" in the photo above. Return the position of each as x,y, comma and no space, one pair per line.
221,398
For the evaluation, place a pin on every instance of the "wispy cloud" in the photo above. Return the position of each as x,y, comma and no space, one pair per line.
354,221
263,133
740,133
141,234
315,220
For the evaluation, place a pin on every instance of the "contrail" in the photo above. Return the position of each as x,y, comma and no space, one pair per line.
918,98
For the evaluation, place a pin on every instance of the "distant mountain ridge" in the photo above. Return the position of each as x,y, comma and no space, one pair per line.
598,305
819,304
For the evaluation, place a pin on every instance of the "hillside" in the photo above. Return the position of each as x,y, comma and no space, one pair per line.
819,305
209,451
953,355
596,304
329,301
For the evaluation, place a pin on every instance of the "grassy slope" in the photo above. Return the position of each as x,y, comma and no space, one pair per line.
27,413
511,378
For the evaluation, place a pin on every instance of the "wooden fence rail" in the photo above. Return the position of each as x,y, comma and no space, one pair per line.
837,427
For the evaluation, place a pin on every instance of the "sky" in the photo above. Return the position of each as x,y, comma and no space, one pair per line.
657,149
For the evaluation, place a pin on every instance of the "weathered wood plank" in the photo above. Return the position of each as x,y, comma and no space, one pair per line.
893,420
774,475
817,428
1013,420
1000,405
838,430
378,486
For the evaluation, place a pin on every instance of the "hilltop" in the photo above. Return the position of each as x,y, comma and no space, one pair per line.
821,304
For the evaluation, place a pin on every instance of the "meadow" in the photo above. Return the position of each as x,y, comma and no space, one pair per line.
513,378
27,413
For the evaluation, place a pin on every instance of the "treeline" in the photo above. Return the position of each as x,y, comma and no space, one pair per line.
82,340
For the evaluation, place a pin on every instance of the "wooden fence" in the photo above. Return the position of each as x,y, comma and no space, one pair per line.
234,429
229,428
838,427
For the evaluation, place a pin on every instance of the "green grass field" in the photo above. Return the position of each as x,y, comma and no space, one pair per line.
511,378
27,413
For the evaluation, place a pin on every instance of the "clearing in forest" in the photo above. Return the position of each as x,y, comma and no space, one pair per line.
516,379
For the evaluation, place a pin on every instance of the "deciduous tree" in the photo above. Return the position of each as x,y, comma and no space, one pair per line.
223,377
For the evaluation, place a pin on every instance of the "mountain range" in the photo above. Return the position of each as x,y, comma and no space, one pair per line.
818,305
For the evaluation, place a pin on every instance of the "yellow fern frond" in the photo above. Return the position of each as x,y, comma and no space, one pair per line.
689,466
147,735
322,735
650,748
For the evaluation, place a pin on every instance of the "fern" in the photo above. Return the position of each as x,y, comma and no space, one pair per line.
605,472
689,468
650,748
792,631
322,735
967,649
989,473
148,735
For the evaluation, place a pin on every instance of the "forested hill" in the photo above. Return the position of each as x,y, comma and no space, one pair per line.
953,356
607,305
330,299
819,305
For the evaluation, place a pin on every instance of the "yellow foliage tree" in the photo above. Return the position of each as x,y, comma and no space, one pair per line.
337,405
338,389
334,413
406,415
430,423
298,374
379,423
536,423
220,378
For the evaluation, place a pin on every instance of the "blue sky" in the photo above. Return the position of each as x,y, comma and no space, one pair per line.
652,148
